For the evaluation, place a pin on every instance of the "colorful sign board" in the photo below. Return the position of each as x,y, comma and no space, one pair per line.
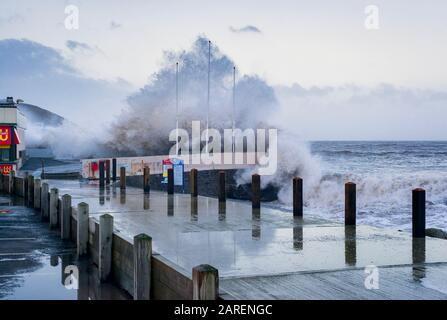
178,168
5,136
6,168
134,166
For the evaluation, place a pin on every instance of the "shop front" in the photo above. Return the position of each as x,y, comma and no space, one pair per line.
12,126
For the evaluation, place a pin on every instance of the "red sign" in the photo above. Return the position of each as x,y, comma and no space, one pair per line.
6,168
5,136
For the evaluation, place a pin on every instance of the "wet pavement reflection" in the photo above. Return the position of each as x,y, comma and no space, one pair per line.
418,254
55,277
240,241
351,245
298,234
36,264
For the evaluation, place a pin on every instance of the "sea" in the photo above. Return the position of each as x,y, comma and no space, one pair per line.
385,172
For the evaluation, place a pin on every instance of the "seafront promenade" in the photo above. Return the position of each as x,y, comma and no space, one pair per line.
259,254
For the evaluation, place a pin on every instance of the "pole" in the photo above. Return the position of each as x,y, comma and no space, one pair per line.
170,181
418,213
256,191
66,217
82,229
233,147
205,282
114,169
193,182
350,204
142,270
101,174
105,246
54,197
221,187
176,108
208,96
123,178
297,197
107,168
146,179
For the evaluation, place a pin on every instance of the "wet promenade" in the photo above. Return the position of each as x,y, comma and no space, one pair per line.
269,254
35,264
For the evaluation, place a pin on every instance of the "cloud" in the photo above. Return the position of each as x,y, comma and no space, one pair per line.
75,45
246,29
15,18
42,76
115,25
353,112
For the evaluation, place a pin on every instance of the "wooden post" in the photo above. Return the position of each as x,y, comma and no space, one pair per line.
170,181
22,187
66,217
82,229
418,213
107,168
54,197
193,182
105,246
123,178
350,204
256,191
101,174
59,213
222,195
142,253
205,282
114,170
37,193
31,191
5,183
146,180
297,197
25,188
11,182
44,201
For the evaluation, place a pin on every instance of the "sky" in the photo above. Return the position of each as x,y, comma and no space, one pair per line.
296,46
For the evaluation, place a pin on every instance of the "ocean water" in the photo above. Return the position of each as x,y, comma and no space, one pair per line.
385,174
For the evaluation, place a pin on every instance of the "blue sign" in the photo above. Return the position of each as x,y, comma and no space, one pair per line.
178,167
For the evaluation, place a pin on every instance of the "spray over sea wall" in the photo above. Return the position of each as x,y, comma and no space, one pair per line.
143,128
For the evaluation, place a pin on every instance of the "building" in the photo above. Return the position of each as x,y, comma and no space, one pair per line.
12,136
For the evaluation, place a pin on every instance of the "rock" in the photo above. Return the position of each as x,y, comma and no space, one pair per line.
436,233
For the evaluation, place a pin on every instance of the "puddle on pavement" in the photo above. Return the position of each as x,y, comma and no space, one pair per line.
59,277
